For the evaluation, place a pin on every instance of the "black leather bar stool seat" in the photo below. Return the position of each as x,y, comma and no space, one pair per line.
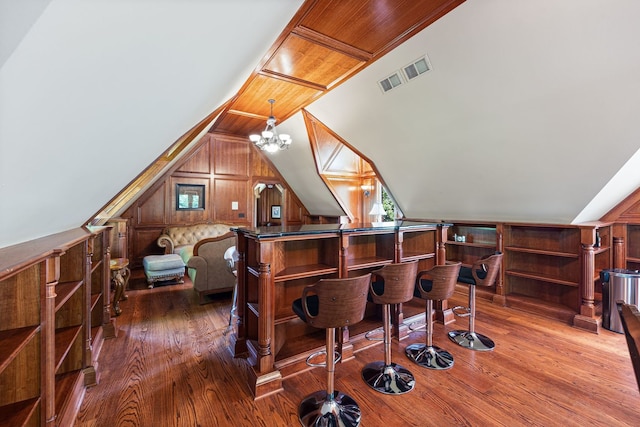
435,284
395,287
329,304
483,272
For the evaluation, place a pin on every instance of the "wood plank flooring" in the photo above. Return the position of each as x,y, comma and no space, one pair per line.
170,366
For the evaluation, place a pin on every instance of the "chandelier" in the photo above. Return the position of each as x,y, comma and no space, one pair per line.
269,140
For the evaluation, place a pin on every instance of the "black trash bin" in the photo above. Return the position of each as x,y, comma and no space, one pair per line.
618,284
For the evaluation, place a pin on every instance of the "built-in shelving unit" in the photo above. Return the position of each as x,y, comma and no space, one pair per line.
47,306
633,246
369,249
21,343
469,241
542,266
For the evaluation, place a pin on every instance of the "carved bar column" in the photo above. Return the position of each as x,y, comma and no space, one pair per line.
441,238
397,312
239,339
52,275
443,313
343,345
267,379
619,255
265,322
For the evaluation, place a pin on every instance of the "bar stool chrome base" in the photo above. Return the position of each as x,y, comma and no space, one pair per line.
323,410
431,357
472,340
388,379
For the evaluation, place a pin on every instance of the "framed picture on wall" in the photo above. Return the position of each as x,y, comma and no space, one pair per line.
275,211
189,197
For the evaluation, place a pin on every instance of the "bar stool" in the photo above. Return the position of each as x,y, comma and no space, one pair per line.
396,287
231,257
435,284
483,272
330,304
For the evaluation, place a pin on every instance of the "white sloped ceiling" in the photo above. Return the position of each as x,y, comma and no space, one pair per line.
529,112
96,90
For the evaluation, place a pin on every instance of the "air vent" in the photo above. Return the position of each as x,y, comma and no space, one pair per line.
391,82
417,68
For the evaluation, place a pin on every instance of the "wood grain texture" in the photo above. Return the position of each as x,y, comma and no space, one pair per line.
170,366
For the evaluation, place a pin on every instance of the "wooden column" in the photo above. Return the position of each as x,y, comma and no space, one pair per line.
500,295
619,253
266,378
443,313
90,376
586,318
52,275
239,339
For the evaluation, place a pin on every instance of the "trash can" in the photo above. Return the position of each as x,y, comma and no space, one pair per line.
618,284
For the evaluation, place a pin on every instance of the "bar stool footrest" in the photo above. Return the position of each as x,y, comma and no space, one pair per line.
461,311
336,359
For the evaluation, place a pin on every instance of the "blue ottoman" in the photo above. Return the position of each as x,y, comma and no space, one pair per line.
163,267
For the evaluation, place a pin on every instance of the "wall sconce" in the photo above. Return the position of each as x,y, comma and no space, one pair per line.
366,189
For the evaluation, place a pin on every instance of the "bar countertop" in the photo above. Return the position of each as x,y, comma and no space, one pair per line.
317,229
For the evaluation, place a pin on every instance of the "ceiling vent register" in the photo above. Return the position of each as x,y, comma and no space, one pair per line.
408,73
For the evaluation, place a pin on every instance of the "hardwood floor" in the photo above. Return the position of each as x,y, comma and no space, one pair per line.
170,366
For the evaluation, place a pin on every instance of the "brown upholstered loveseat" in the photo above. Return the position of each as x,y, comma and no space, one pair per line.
180,239
202,247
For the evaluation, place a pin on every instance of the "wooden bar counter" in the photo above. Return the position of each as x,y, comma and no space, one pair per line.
276,263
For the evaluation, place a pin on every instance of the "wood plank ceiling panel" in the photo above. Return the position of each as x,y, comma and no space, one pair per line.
327,42
302,59
374,26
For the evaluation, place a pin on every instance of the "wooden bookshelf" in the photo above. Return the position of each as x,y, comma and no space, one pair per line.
46,341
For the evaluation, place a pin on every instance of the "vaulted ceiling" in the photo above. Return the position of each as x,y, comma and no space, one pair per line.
528,113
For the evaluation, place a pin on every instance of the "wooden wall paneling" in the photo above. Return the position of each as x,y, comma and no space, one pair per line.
227,191
293,210
230,157
152,207
235,166
348,194
198,160
143,242
261,167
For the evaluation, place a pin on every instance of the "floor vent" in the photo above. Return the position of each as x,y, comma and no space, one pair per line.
416,68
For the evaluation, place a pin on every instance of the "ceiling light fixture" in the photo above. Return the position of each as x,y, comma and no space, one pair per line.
269,140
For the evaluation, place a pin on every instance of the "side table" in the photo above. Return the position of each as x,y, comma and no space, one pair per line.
120,274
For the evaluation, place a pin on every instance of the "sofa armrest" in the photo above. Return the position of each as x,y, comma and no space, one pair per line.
164,241
199,264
